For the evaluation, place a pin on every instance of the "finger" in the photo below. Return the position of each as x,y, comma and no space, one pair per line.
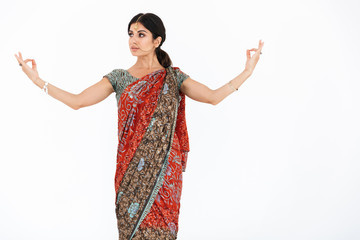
20,61
261,44
255,50
17,58
20,55
248,54
27,60
34,64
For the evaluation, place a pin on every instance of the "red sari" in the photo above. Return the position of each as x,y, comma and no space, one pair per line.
152,154
164,213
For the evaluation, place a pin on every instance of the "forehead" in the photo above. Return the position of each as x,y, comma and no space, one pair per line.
140,27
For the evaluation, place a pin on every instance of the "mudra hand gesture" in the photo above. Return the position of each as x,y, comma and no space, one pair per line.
32,73
252,60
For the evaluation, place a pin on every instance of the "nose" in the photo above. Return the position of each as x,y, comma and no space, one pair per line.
133,40
133,44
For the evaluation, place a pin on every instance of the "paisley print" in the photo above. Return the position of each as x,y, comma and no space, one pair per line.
119,196
166,88
158,219
133,209
141,164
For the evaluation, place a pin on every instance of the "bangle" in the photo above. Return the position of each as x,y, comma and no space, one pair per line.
232,86
45,88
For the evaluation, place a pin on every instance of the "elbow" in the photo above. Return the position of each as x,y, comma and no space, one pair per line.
213,100
77,103
76,107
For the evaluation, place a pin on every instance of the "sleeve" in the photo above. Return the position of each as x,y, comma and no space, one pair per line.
181,76
114,78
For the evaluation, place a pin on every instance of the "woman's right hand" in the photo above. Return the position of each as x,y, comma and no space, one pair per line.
32,73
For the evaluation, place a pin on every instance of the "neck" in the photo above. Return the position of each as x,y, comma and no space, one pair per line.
148,62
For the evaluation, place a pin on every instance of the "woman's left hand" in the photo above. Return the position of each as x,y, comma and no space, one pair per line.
252,60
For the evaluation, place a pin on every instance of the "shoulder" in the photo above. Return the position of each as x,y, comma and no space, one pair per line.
179,73
114,71
177,69
115,74
115,77
117,71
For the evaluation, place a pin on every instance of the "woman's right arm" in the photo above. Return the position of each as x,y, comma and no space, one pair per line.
90,96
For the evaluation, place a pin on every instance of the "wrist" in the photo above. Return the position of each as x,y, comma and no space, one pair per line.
247,72
38,82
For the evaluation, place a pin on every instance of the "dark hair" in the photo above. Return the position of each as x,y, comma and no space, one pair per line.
156,27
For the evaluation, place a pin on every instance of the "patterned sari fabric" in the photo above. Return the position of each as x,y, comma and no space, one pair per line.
152,154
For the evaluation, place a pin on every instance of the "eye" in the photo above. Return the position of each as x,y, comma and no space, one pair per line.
140,34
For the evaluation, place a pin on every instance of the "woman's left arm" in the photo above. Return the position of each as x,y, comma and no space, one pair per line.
199,92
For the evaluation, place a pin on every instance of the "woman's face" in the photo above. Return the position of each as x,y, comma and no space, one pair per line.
141,41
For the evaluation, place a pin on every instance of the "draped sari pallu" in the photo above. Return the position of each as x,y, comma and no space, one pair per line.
150,111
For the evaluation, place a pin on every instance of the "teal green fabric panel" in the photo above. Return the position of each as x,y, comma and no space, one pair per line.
181,76
114,78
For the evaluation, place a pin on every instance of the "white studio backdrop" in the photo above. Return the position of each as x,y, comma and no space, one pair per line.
276,160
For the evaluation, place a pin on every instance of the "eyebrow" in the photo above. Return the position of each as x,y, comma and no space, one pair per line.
138,31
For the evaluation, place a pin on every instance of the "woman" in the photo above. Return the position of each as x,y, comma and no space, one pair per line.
152,133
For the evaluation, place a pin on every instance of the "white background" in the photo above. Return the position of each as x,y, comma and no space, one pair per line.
276,160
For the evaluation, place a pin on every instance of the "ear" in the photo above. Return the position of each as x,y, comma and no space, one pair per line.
158,40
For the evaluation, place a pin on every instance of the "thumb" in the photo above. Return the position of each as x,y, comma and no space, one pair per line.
248,54
27,60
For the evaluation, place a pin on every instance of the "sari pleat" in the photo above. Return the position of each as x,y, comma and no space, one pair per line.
152,154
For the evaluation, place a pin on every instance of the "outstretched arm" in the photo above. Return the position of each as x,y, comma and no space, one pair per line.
92,95
199,92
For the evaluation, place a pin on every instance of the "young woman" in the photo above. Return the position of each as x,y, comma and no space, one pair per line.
152,133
